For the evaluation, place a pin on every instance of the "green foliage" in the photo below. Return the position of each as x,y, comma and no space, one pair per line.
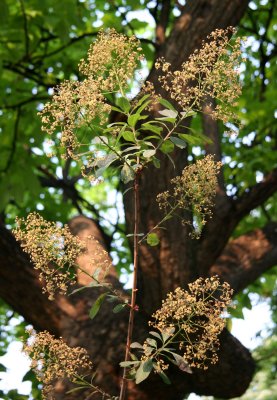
152,239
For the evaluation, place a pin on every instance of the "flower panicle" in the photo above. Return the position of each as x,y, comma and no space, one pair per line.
194,189
196,315
53,359
210,72
53,250
111,63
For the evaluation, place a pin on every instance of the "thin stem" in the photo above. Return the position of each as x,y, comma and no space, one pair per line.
170,131
90,385
134,289
167,216
107,286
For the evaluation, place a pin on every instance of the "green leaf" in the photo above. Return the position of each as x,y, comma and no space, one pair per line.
178,142
156,334
181,363
123,104
188,113
171,160
167,147
111,298
151,342
130,148
143,107
128,363
237,312
115,109
136,345
99,172
169,113
147,126
141,101
167,104
205,138
144,370
127,174
129,136
164,378
96,306
118,308
106,161
133,357
156,162
194,141
133,119
152,239
149,153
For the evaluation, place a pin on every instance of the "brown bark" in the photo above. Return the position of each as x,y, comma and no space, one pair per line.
244,259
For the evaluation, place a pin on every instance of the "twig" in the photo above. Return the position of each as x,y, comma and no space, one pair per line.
134,289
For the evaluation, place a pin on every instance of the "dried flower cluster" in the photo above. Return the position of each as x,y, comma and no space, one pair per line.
53,359
52,249
74,105
210,71
112,60
195,189
193,318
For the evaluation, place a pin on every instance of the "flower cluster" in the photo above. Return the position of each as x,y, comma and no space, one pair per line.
193,319
76,105
195,189
53,359
112,60
52,249
211,71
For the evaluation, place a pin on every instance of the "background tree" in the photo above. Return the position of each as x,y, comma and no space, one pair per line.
42,44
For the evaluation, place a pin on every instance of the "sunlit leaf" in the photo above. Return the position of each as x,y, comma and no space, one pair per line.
152,239
144,370
136,345
149,153
127,174
168,113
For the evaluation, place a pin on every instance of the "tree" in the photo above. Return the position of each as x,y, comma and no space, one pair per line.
236,246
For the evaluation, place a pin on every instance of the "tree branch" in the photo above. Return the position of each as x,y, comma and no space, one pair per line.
162,21
21,289
227,214
247,257
256,195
